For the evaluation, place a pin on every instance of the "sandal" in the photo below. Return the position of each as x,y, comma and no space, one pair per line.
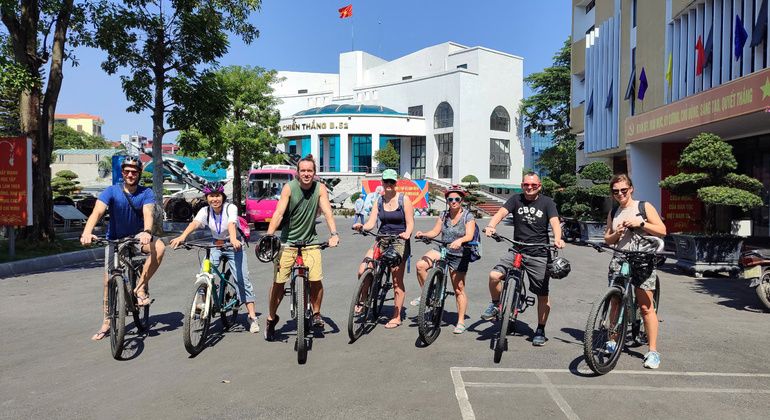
392,324
459,329
318,321
103,332
142,300
359,309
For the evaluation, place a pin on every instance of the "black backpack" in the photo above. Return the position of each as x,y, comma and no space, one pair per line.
642,210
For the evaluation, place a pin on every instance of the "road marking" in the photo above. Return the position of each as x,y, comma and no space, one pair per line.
557,397
466,409
462,396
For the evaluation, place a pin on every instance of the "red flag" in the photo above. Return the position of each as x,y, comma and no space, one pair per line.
346,12
700,60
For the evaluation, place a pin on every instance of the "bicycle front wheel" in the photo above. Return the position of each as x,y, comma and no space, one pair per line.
230,304
380,292
300,316
605,332
196,321
431,308
116,312
141,313
361,306
508,301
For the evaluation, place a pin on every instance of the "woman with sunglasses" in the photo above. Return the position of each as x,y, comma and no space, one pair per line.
456,226
395,215
630,217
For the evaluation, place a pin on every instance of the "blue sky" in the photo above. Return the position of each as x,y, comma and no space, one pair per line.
308,35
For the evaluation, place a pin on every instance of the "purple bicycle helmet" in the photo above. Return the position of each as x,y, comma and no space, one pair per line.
214,187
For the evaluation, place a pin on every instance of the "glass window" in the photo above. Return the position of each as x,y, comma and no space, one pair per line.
500,120
444,116
500,159
444,145
415,111
362,153
418,157
591,5
462,66
267,185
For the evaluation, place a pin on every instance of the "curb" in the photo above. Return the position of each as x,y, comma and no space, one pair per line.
54,262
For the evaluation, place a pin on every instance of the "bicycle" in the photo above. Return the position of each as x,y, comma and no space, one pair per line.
513,299
215,292
616,310
299,289
373,286
121,299
434,293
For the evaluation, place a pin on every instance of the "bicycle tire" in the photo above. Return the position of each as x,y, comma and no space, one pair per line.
116,311
596,334
300,316
229,316
504,317
141,314
195,343
380,293
763,289
357,321
431,309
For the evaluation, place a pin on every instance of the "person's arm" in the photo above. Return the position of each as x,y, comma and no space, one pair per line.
612,236
470,229
500,215
232,219
555,223
654,224
409,215
326,209
147,213
188,230
280,209
99,209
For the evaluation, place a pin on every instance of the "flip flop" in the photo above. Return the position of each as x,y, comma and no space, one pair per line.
392,324
100,335
459,329
143,300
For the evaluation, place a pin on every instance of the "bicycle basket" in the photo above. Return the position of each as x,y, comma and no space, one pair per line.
641,267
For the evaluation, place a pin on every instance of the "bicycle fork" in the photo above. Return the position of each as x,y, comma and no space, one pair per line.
201,279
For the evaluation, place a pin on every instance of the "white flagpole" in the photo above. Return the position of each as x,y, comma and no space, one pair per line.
352,35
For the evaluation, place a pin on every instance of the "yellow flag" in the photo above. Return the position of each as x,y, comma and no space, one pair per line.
670,69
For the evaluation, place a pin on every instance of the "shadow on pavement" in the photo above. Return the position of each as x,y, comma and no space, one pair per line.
167,322
575,333
734,293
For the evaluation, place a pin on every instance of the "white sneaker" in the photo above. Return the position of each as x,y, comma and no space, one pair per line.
254,327
415,302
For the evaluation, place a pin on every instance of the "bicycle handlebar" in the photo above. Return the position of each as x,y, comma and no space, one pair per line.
499,238
105,241
377,235
301,245
191,245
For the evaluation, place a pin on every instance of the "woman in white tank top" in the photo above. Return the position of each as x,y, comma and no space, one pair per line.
620,225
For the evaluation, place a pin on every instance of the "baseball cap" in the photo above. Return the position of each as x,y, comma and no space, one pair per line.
389,174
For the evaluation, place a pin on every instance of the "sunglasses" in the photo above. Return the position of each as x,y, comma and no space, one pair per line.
132,173
530,185
454,199
389,182
622,191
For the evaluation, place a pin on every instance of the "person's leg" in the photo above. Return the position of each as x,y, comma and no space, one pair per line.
156,250
458,283
108,263
536,268
645,300
315,275
398,294
239,267
363,266
424,264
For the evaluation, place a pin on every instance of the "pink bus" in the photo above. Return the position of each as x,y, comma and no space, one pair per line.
265,185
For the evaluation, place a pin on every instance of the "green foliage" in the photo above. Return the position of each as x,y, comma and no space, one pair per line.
549,186
67,174
65,137
547,110
388,156
709,160
64,183
600,190
597,172
469,179
146,179
354,196
568,179
473,197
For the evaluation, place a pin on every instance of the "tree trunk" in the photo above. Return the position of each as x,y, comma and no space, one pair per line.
237,175
158,129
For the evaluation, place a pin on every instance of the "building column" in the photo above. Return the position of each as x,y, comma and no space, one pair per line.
375,148
646,157
326,149
314,149
344,152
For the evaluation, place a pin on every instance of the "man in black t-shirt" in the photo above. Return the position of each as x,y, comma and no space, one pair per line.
532,213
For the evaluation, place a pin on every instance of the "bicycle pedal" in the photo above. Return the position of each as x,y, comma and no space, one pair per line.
529,300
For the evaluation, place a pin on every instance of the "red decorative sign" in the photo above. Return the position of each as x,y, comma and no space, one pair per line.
679,213
415,190
15,181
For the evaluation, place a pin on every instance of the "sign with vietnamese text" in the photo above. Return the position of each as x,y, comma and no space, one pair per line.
414,189
679,213
16,181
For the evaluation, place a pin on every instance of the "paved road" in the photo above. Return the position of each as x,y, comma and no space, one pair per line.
50,368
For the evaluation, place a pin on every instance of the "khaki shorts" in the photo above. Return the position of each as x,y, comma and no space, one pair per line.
285,260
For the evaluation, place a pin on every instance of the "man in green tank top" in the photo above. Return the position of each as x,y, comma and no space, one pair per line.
300,202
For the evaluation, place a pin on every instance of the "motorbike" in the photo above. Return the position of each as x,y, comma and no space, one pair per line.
756,268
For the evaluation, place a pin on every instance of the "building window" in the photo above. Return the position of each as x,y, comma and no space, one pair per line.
61,158
415,111
80,128
301,91
588,31
444,145
362,153
444,116
500,120
500,159
590,5
633,13
406,78
462,66
418,157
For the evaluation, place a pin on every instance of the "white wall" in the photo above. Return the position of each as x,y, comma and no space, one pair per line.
581,21
646,157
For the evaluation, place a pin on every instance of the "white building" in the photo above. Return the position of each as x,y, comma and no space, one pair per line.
448,109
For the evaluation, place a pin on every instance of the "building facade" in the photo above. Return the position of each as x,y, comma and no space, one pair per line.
449,110
82,123
648,76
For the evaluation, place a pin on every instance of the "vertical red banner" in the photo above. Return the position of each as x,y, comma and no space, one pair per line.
15,181
679,213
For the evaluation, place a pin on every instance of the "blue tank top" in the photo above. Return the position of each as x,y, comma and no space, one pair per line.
392,222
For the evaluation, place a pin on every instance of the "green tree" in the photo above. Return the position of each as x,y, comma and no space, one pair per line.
66,137
250,128
64,183
547,112
388,157
473,198
167,49
708,164
40,32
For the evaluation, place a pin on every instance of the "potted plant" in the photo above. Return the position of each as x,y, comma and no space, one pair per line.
708,164
584,200
473,198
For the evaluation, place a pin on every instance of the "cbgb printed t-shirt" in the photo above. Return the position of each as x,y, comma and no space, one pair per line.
530,221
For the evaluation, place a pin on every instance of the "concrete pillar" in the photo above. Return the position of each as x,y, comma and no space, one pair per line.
327,151
344,156
375,148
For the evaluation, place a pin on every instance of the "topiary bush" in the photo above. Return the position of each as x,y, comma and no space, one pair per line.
708,163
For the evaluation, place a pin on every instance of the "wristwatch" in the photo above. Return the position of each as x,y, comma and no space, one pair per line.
147,231
641,225
334,234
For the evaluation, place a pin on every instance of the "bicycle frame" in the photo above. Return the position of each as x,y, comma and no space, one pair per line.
206,276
